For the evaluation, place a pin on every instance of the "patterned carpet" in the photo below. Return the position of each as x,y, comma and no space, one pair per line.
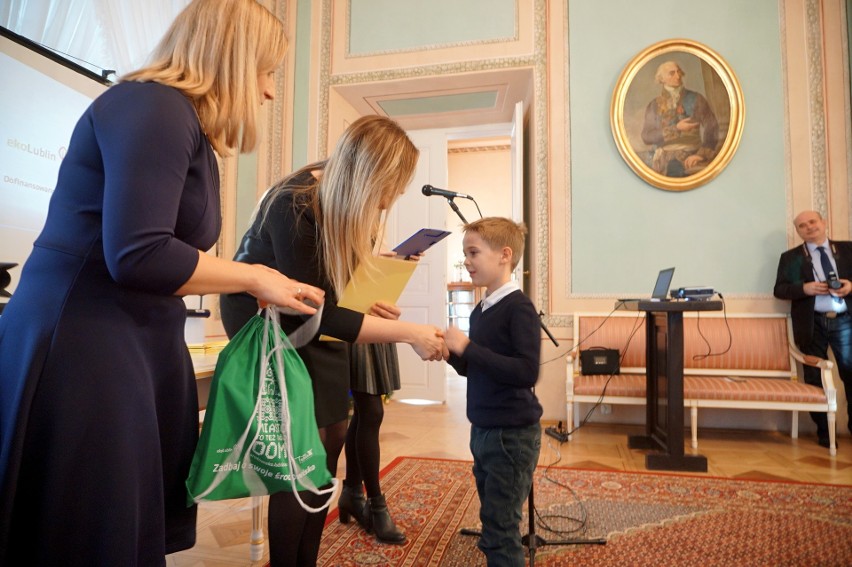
646,519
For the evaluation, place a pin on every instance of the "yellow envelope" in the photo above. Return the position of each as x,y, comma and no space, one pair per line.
384,281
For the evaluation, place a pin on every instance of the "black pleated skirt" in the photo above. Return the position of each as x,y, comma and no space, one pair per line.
374,368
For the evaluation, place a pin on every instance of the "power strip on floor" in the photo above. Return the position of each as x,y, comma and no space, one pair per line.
558,434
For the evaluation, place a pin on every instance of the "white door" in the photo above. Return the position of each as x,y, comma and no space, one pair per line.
424,298
517,157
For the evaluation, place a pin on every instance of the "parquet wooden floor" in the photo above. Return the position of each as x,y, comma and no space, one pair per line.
442,431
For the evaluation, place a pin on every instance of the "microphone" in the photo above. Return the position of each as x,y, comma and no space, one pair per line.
428,190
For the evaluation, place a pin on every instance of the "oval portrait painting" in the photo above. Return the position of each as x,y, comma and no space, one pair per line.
677,114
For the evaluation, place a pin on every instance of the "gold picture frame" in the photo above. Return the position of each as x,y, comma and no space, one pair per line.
677,114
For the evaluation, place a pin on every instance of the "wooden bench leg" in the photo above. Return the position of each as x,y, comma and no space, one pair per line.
693,414
832,433
794,427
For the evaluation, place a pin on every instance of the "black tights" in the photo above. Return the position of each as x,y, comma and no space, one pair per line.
294,534
362,443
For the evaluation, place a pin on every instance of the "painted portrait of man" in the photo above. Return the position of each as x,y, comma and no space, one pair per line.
679,126
677,114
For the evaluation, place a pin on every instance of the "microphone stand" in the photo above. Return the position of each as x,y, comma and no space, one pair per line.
455,207
532,540
546,330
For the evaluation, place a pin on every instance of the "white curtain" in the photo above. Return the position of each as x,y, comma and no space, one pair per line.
134,27
114,35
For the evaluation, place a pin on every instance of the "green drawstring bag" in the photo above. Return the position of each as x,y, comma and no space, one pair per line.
259,434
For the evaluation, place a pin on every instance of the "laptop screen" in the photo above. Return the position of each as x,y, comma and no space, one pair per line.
664,280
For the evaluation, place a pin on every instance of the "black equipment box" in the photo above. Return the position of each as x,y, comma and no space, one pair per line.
599,360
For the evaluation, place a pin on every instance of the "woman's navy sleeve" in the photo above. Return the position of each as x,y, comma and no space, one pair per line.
148,139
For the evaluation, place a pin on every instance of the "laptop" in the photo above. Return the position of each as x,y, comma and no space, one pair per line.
661,287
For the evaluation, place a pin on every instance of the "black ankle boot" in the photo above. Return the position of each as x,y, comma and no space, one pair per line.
353,503
381,523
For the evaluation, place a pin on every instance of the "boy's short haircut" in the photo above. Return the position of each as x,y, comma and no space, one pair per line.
498,232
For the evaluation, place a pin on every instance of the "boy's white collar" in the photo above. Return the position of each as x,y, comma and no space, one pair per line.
499,294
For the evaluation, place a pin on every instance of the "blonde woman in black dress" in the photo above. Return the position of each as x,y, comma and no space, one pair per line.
318,225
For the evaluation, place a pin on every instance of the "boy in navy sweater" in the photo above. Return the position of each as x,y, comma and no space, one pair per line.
501,362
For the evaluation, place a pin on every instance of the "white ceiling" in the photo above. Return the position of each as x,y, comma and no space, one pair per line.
445,101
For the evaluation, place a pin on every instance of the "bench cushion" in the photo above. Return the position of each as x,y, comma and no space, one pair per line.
757,389
621,385
706,388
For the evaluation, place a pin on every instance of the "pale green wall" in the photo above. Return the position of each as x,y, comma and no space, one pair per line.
391,25
246,193
728,233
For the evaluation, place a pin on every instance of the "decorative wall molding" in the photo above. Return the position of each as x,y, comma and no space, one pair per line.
567,162
276,118
324,78
847,80
541,144
460,67
226,209
560,321
476,149
350,55
788,153
816,100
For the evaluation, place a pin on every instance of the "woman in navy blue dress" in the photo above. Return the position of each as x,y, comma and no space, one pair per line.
98,406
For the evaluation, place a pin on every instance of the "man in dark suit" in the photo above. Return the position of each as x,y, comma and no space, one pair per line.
815,278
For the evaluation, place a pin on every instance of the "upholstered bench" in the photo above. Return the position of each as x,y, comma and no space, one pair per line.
740,361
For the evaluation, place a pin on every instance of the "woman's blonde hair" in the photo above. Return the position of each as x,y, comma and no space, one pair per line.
213,53
370,167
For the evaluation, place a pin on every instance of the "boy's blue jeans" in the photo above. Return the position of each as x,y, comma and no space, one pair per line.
503,463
